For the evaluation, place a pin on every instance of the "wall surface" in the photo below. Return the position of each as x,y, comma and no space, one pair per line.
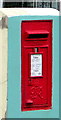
13,52
14,69
3,72
60,64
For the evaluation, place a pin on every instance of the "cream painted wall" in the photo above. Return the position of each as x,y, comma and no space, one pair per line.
3,72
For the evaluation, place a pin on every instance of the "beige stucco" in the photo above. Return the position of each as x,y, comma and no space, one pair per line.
3,71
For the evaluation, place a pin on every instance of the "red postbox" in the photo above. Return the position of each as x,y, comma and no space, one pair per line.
36,64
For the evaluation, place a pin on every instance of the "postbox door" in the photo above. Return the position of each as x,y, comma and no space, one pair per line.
36,66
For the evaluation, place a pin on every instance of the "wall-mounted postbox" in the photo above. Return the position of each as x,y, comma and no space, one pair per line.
29,62
36,64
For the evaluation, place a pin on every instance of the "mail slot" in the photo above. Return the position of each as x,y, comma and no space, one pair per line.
37,34
36,65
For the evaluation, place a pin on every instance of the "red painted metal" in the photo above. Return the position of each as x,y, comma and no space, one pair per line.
36,90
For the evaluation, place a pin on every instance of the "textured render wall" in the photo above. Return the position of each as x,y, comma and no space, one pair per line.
3,72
